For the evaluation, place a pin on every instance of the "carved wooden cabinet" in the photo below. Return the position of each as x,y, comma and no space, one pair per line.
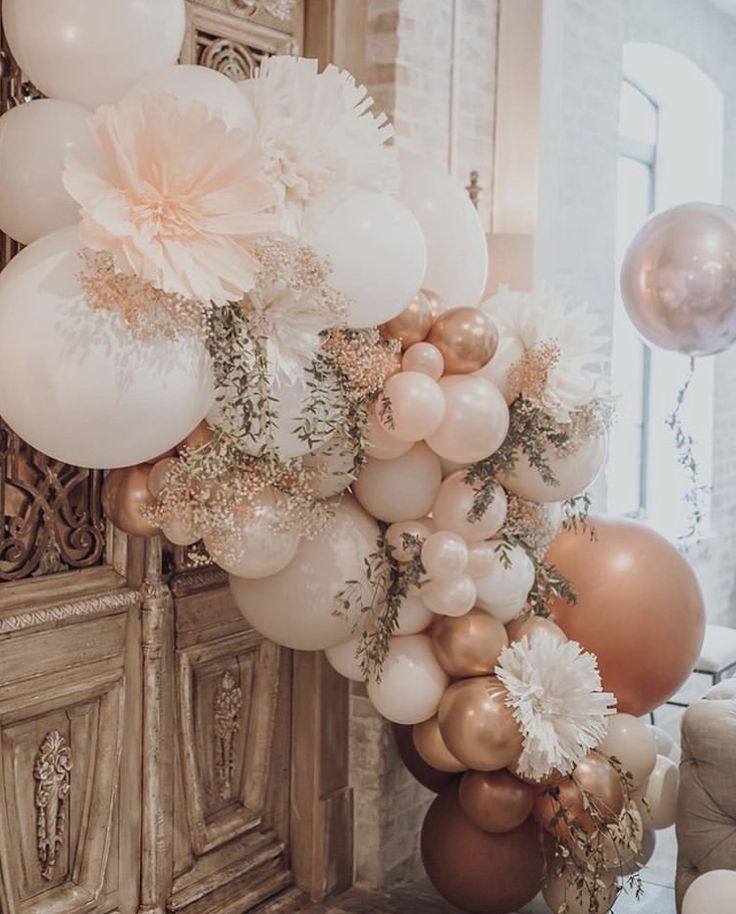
156,754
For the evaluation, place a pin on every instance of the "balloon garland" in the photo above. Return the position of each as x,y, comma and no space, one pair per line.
266,326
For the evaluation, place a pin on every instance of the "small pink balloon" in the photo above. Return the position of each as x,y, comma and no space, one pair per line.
476,419
396,537
444,555
481,559
454,503
157,476
415,406
382,445
425,358
450,597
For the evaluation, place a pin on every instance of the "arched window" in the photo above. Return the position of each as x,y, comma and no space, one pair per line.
670,152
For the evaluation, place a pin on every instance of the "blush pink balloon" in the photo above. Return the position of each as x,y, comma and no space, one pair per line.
381,444
426,358
450,597
444,555
395,537
454,503
400,489
417,406
476,419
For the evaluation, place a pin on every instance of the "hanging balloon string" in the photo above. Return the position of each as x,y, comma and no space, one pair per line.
685,446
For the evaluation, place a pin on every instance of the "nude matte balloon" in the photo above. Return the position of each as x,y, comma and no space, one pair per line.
426,358
294,607
35,140
450,596
256,548
504,590
633,744
415,406
454,502
476,871
343,658
713,892
432,748
468,645
478,726
658,802
412,681
92,51
558,892
332,466
382,445
639,609
414,617
495,801
476,419
402,535
677,279
444,555
573,473
76,383
400,489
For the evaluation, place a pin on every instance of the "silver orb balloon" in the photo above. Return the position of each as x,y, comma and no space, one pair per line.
678,279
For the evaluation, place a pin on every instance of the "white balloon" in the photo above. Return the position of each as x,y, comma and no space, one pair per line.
257,549
400,489
450,597
190,84
711,893
573,472
75,382
344,659
665,744
457,253
93,51
377,252
509,352
503,591
412,681
659,804
35,140
295,606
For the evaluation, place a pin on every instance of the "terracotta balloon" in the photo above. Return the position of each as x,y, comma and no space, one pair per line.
480,873
598,778
678,277
125,493
432,748
427,776
201,435
495,801
468,645
528,625
414,322
466,337
477,726
639,609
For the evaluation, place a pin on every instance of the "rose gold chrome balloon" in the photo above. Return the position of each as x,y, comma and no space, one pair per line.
468,645
466,337
124,495
678,279
432,748
413,324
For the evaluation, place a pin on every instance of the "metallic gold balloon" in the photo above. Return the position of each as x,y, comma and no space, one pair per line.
201,435
124,494
466,337
413,324
678,279
599,779
431,747
639,609
531,624
468,645
476,871
427,776
435,303
495,801
477,725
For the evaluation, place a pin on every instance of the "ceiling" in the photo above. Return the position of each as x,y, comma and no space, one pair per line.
727,6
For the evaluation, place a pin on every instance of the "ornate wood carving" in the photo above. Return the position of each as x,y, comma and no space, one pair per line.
227,707
52,772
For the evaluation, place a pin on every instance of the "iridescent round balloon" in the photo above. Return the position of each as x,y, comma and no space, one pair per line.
678,279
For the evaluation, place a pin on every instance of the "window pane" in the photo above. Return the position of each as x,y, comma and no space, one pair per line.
637,115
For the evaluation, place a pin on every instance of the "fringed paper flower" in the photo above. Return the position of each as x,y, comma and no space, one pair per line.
561,370
554,689
318,134
175,197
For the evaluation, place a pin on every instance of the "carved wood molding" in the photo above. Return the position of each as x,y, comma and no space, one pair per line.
98,605
197,580
52,772
228,705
